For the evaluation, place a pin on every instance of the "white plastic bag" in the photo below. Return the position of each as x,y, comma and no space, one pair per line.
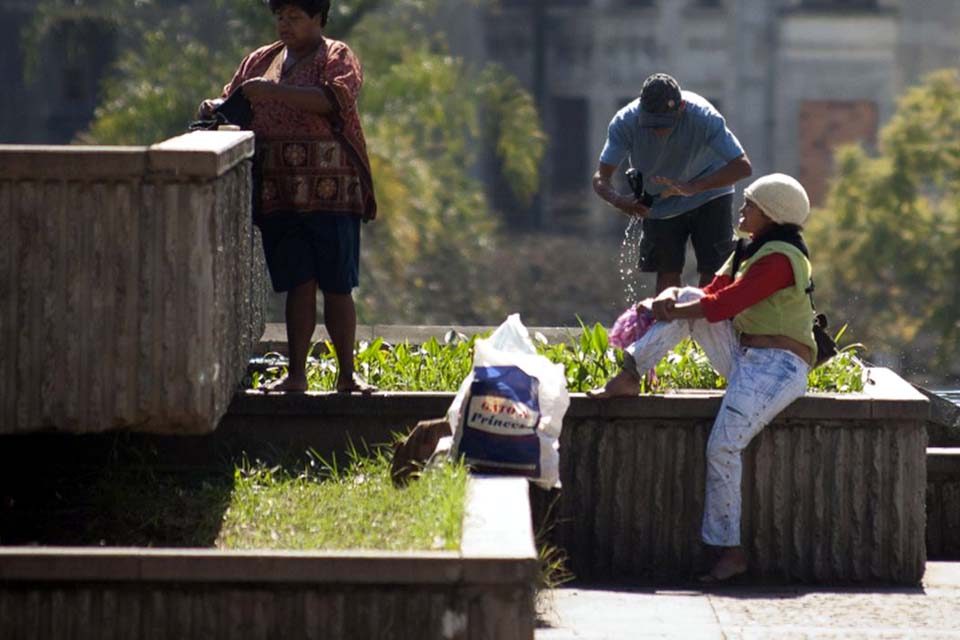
508,413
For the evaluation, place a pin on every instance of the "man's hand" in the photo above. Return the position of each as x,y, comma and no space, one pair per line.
205,111
675,188
257,88
603,187
631,206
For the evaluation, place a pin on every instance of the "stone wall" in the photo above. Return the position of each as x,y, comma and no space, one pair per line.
482,592
943,503
130,284
834,489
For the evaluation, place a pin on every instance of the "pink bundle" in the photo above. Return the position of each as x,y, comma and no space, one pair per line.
631,325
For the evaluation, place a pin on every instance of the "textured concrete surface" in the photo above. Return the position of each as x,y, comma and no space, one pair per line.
747,612
823,501
833,490
130,284
943,503
483,592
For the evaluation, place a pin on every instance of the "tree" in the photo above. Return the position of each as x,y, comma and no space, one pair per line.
426,114
887,244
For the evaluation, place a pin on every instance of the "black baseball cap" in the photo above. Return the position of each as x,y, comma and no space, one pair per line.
660,101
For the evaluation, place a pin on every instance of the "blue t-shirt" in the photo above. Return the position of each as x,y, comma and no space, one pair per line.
698,145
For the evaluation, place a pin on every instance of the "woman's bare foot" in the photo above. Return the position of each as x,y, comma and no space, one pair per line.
355,384
286,384
732,563
623,385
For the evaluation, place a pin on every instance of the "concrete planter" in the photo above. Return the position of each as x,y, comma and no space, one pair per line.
833,490
483,592
130,284
943,503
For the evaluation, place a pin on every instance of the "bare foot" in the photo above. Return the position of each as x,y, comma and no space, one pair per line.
355,384
732,563
623,385
286,384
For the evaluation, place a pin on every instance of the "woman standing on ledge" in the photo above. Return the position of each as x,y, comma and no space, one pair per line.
316,185
756,326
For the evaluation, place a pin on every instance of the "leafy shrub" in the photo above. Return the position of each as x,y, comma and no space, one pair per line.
588,360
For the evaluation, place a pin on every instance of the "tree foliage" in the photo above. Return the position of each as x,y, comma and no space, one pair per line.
887,243
426,113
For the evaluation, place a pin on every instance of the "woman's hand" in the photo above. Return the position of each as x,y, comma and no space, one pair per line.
664,304
662,309
258,88
205,111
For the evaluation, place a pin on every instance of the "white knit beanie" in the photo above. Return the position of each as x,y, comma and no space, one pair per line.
782,198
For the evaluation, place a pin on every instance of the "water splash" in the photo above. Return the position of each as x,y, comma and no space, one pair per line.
628,262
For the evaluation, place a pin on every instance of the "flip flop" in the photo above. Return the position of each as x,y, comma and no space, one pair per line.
716,579
267,389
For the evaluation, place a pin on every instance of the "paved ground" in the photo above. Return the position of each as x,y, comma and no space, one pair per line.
745,612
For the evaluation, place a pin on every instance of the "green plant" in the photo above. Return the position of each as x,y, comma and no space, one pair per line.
588,361
843,373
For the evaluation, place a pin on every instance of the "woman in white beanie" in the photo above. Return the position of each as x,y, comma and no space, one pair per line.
755,323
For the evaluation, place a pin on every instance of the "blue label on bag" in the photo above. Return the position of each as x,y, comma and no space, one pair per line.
500,421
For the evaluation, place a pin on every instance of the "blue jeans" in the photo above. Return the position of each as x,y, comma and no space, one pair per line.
761,384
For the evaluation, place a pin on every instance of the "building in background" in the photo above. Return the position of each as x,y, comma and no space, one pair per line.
795,78
50,91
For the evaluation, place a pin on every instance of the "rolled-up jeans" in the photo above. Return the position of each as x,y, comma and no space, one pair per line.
761,384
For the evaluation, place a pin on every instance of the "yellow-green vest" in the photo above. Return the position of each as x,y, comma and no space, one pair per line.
787,312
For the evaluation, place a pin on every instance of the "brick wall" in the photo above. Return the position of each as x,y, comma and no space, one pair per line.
824,125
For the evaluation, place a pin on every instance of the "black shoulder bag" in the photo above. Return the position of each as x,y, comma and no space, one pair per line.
235,110
826,346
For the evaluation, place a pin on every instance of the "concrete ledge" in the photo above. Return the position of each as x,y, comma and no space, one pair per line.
146,261
886,395
201,154
943,503
71,163
483,591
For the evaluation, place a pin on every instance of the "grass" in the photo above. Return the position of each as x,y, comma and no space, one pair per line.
323,506
588,361
132,501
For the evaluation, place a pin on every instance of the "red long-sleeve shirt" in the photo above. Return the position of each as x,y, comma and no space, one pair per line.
725,299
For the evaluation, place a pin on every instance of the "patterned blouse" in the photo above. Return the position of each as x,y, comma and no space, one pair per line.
311,162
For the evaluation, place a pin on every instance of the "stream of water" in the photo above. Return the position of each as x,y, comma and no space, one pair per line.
628,262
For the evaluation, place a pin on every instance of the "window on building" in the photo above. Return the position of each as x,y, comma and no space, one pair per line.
569,145
548,3
839,4
73,84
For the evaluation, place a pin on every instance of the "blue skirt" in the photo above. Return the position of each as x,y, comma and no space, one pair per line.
300,247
